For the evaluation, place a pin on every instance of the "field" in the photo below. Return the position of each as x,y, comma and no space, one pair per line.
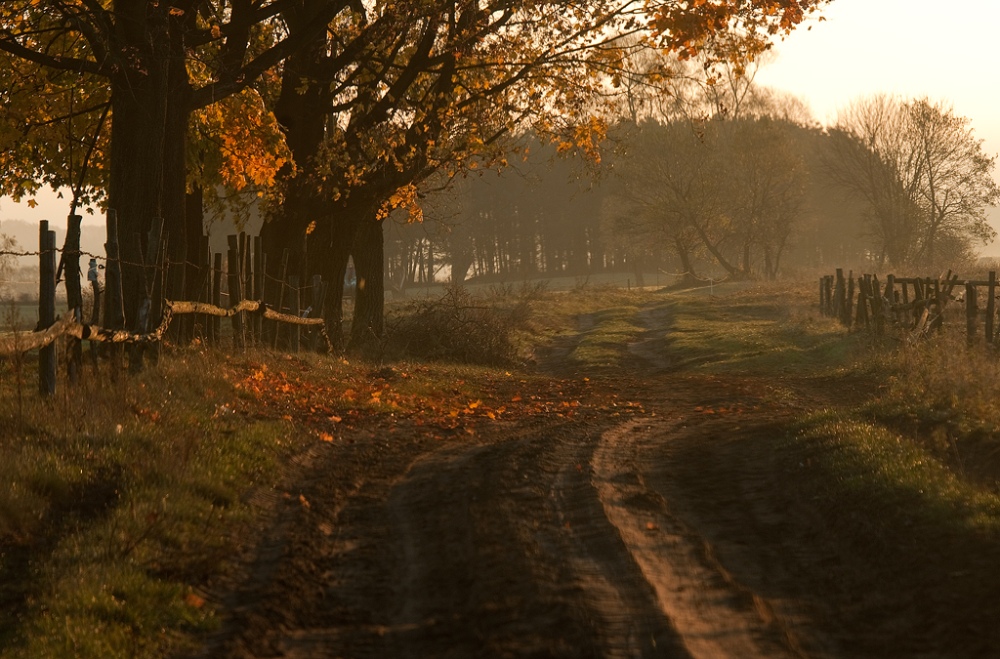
712,473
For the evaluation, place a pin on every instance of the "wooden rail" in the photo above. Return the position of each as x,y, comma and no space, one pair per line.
18,342
250,306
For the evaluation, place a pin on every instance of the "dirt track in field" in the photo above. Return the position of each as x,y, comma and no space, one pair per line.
660,528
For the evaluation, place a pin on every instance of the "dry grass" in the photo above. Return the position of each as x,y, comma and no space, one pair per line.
939,392
119,499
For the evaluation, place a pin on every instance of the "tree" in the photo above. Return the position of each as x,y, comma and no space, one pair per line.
922,173
411,87
958,184
763,181
154,63
667,193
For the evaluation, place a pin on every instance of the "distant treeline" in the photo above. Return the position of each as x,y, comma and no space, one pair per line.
755,196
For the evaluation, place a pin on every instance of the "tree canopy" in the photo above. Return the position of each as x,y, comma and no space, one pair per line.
328,99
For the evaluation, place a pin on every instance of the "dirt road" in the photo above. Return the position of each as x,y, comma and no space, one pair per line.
649,523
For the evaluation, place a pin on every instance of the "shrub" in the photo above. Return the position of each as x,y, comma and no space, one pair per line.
460,327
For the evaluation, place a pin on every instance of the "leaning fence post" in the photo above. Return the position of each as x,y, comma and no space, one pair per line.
938,322
46,307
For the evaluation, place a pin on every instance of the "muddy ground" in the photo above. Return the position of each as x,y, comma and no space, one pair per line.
654,519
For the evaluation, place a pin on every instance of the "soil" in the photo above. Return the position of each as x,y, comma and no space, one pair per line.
655,520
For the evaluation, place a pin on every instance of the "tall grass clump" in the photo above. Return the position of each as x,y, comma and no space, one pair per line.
461,327
940,391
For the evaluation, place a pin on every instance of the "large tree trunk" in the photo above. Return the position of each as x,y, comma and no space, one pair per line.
302,111
139,100
684,254
461,261
368,324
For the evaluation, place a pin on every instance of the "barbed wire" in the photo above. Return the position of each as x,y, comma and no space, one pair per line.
167,264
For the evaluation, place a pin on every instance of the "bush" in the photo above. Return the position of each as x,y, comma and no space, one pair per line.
460,327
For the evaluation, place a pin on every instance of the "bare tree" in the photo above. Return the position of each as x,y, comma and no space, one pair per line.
922,173
762,179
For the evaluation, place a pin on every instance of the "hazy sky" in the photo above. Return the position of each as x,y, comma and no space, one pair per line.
946,51
943,50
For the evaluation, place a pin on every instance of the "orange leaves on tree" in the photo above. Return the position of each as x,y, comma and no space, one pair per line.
237,142
726,29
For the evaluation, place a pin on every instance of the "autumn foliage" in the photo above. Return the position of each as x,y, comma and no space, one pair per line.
333,110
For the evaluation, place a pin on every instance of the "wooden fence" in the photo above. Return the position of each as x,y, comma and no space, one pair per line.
263,310
913,304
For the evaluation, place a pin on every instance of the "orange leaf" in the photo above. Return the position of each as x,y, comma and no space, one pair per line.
194,601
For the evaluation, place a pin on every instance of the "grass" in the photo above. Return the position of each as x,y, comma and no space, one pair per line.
121,498
768,329
124,500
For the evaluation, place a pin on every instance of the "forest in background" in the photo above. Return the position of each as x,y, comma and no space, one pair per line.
720,181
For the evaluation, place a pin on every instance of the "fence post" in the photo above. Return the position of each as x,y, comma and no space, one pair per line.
317,299
878,312
259,265
215,322
293,310
845,311
991,306
971,311
46,307
95,313
938,322
74,291
285,254
235,294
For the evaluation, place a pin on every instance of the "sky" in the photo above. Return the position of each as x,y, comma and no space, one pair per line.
946,51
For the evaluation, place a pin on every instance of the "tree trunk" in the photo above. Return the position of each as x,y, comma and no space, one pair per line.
684,254
368,324
330,248
139,101
460,264
302,111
